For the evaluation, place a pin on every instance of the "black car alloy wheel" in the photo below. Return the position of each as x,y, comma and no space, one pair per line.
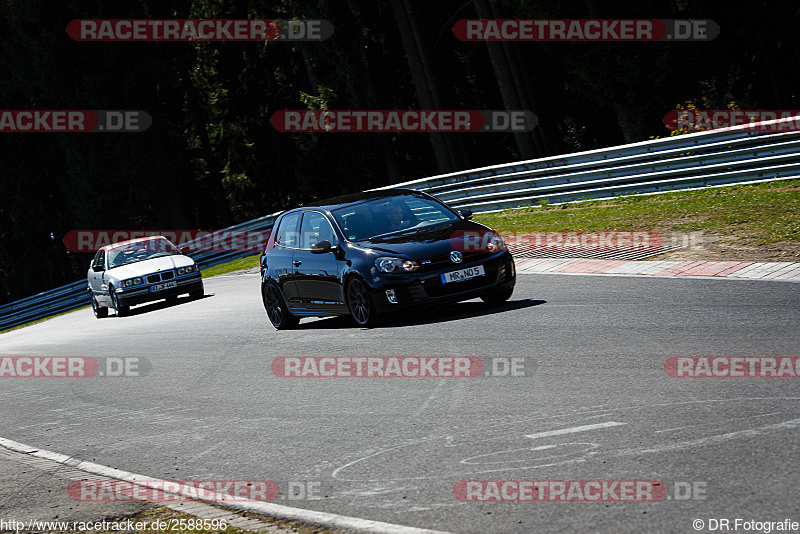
360,303
277,311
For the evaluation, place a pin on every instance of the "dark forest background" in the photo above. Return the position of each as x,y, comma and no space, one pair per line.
212,159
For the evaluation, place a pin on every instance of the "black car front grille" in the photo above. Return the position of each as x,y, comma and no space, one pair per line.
153,278
444,261
166,275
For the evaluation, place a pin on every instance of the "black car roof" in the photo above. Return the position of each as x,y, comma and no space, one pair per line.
354,198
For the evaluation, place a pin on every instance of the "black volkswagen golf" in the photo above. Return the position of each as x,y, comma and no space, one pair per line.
372,253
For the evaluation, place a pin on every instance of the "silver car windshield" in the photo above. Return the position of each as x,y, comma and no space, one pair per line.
140,251
390,215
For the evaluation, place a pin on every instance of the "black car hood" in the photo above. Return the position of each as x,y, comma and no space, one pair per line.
419,244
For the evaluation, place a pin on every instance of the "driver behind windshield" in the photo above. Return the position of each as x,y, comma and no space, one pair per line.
395,215
139,251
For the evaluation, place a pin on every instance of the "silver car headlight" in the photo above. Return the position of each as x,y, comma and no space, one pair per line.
130,282
393,265
189,269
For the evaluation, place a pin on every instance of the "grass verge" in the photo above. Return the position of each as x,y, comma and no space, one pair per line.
755,214
235,265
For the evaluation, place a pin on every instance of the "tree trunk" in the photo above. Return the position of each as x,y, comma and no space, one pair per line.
505,81
424,93
627,123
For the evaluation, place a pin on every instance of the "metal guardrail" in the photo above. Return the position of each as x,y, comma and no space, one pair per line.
715,157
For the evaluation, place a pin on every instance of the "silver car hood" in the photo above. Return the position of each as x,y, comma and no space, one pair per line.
140,268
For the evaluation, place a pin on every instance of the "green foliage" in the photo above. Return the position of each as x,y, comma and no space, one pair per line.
320,101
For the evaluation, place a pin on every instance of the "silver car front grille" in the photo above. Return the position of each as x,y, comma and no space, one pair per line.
158,277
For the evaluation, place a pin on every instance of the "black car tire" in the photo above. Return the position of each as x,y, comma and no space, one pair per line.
498,297
119,308
277,310
100,312
359,302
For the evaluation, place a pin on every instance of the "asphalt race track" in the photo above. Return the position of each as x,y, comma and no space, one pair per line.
595,402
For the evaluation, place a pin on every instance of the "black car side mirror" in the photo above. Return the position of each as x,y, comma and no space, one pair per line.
466,214
98,268
322,247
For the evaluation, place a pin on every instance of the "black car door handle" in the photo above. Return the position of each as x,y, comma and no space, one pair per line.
297,263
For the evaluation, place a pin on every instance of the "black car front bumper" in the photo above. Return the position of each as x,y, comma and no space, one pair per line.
425,288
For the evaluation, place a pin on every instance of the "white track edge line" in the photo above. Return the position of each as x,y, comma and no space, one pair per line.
277,511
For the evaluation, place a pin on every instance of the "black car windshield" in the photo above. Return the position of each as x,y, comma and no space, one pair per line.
140,251
391,215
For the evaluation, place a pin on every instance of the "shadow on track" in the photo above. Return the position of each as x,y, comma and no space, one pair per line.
427,315
160,305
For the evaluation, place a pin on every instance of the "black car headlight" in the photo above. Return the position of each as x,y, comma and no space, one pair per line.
495,243
131,282
393,265
189,269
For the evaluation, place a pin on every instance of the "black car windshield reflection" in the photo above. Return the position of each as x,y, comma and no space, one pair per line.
392,216
140,251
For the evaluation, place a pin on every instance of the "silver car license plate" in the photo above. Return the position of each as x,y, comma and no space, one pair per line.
463,274
161,287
